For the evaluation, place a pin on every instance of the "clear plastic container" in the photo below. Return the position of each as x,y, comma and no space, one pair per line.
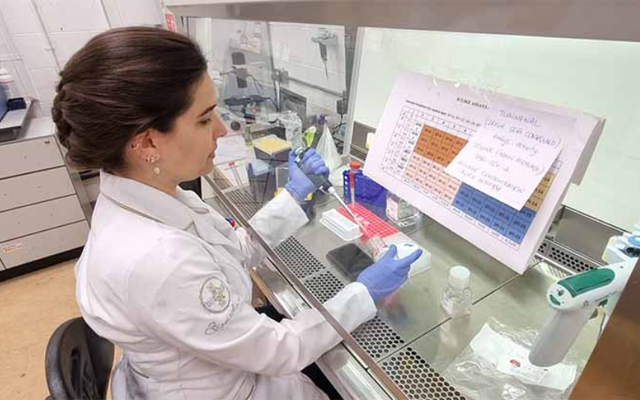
457,297
8,85
400,212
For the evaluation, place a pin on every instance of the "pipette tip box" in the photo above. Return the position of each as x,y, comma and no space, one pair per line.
342,226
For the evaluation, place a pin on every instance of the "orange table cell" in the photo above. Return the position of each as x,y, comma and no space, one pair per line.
541,191
426,137
440,159
460,142
420,149
426,130
430,154
453,152
449,156
548,179
443,148
533,203
448,139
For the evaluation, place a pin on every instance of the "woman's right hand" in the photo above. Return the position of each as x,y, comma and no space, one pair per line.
387,274
299,185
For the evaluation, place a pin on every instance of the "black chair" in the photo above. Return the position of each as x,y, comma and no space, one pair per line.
78,363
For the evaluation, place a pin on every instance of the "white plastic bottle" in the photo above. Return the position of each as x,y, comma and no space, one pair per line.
457,297
8,85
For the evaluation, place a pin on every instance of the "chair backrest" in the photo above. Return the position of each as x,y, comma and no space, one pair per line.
78,362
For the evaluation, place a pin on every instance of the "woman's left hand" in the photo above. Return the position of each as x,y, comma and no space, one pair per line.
299,185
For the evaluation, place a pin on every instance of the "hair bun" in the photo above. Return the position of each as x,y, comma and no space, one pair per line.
63,129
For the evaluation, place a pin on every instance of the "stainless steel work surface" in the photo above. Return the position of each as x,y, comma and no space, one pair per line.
414,310
411,330
520,305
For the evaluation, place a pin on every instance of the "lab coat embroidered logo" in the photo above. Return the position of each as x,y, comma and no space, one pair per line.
214,295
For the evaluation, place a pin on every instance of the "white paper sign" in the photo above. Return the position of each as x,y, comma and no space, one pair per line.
426,124
511,153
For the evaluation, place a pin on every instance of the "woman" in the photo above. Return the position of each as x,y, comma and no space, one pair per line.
164,276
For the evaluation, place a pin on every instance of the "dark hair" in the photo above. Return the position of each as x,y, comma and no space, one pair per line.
122,82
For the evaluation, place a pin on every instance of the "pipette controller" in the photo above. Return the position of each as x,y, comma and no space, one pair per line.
325,186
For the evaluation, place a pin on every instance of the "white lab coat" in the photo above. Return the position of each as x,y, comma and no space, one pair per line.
166,280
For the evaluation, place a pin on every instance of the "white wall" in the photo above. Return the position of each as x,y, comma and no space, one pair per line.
599,77
39,36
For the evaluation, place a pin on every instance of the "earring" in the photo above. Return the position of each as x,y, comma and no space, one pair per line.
156,171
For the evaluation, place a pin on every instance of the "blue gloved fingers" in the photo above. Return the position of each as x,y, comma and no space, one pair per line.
324,170
390,254
315,165
411,258
308,154
299,184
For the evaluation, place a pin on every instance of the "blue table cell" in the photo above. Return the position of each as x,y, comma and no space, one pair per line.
490,207
472,210
460,203
527,214
505,214
520,224
499,226
515,234
485,218
478,199
465,191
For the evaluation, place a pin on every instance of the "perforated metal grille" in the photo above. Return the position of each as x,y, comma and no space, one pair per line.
543,247
565,257
415,377
377,338
298,259
324,286
242,198
569,260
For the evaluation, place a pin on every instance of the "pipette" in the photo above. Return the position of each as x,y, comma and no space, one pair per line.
324,185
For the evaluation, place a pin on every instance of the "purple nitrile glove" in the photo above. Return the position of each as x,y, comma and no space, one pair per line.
299,185
387,274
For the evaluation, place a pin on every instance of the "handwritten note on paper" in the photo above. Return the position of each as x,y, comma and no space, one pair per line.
511,153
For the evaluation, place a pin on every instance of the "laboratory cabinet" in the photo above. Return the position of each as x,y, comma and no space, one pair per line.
43,217
322,73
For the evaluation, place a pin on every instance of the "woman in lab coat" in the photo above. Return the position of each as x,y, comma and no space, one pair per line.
162,275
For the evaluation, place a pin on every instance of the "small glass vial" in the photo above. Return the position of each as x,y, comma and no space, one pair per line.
400,212
457,298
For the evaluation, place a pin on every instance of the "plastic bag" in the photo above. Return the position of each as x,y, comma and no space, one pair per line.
292,128
504,377
327,149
